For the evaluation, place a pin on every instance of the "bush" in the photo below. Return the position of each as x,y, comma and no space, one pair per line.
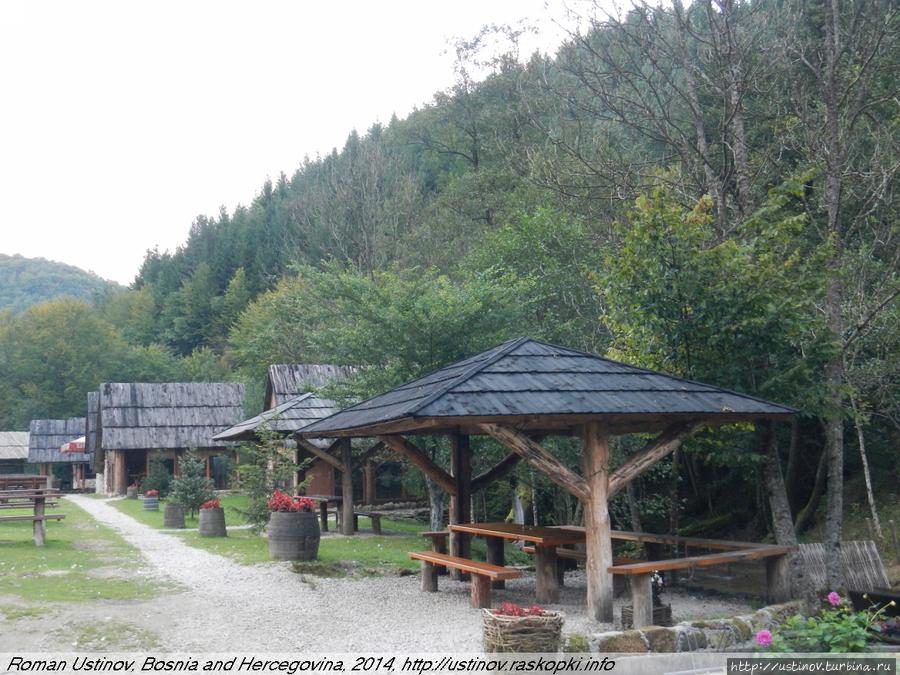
158,479
192,488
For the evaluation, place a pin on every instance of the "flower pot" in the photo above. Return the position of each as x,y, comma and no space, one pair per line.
530,634
151,503
293,535
212,523
131,492
173,516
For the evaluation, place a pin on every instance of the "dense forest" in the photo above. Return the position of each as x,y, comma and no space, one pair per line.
707,190
28,281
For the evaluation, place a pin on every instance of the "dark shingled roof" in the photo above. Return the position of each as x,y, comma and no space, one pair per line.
45,437
14,445
174,415
526,377
287,380
292,415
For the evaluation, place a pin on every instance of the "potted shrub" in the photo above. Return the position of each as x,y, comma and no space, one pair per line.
511,628
212,519
293,530
151,500
173,516
131,491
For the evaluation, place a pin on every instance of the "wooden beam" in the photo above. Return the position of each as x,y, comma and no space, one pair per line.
496,472
422,461
365,456
670,439
598,542
545,462
324,455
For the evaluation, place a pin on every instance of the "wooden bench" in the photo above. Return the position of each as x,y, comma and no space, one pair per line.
566,555
374,517
439,542
640,575
482,574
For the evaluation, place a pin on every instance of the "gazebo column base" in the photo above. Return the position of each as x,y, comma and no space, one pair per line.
546,573
598,533
642,600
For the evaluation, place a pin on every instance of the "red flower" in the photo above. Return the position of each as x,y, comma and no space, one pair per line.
283,502
512,609
151,493
211,504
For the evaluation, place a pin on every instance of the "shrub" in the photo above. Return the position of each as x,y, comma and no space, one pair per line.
192,488
158,479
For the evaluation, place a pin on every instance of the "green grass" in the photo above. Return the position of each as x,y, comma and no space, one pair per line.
135,509
81,560
367,555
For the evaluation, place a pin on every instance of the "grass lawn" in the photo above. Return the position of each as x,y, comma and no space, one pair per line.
82,560
135,509
365,554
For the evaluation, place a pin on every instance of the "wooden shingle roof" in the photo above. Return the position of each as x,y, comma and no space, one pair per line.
287,380
46,436
285,419
173,415
528,382
13,445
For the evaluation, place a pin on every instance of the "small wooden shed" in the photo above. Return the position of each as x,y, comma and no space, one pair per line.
137,421
13,451
45,437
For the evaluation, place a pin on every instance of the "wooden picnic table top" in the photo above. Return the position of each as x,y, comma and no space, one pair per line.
649,538
648,567
30,494
541,536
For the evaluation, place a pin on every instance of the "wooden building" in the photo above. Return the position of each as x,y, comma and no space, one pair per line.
136,422
13,451
45,438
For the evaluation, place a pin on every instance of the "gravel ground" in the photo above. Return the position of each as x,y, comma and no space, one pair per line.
223,606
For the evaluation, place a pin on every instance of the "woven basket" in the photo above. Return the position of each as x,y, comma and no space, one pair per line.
662,616
529,634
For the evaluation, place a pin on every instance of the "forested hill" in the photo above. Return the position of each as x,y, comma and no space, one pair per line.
28,281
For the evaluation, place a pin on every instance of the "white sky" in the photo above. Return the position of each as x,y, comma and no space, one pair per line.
122,121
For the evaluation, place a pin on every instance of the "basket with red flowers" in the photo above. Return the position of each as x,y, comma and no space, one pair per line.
513,628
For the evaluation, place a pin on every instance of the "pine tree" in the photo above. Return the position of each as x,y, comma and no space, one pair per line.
192,487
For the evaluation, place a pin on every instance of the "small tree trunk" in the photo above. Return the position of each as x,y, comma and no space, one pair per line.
633,509
437,500
870,493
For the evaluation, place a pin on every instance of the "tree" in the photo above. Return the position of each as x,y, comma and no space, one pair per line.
191,487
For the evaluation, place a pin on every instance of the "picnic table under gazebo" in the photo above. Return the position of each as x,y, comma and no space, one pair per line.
523,391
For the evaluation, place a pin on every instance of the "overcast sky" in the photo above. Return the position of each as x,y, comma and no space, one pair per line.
120,122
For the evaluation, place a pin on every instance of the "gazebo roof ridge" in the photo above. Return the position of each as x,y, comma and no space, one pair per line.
527,378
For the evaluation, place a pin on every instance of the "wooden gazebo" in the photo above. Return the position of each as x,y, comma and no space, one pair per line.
525,390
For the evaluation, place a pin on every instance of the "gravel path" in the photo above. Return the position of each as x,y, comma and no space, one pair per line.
224,606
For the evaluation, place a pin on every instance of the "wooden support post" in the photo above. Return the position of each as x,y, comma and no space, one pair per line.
481,591
598,535
778,578
347,520
546,580
369,483
429,577
323,515
121,469
496,556
460,502
38,530
641,600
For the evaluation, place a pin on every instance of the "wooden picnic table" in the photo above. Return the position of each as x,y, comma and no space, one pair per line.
37,499
545,540
20,481
323,507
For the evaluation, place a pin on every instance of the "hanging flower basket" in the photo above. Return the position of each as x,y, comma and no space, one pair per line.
511,628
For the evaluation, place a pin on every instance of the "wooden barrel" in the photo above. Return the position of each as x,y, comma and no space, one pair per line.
293,536
151,503
131,492
212,523
173,516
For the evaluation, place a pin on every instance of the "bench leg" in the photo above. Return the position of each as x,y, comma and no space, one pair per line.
546,582
439,545
641,600
355,523
429,577
376,524
778,580
481,591
496,556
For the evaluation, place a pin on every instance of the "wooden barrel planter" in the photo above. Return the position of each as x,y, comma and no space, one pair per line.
151,503
662,616
212,523
293,535
131,492
529,634
173,516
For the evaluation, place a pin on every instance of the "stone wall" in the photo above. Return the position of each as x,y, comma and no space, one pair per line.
734,634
